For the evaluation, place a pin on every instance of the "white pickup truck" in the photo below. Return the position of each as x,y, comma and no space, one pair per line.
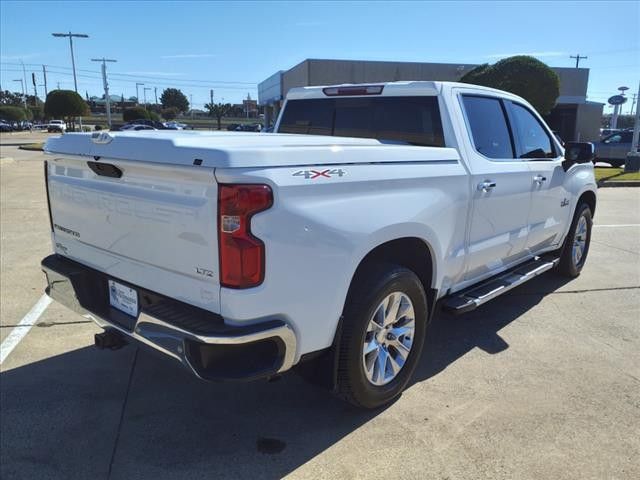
242,255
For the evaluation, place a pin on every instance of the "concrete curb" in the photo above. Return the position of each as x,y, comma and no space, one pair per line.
619,183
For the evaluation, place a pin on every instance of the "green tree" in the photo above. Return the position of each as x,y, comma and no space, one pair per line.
135,113
9,98
170,113
65,104
12,113
174,98
522,75
218,110
37,111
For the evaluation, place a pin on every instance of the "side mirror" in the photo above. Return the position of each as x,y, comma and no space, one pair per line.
577,152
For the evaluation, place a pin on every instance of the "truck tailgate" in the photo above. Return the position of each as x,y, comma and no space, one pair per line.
155,226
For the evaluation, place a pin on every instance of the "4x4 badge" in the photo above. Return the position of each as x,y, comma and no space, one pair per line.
564,202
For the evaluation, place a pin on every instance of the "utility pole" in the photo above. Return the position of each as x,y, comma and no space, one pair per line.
155,91
633,102
44,73
24,97
578,57
137,95
211,94
73,60
35,89
106,85
24,74
145,96
191,104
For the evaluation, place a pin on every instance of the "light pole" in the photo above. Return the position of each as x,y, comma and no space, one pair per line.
137,95
73,60
618,108
106,85
145,96
24,97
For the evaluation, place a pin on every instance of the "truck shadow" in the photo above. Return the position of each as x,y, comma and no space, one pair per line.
62,417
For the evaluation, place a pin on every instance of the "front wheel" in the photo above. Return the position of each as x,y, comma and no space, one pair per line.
576,245
383,333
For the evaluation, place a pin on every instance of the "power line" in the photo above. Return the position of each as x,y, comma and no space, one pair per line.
152,77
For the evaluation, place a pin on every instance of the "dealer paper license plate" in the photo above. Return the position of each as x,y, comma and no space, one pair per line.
123,298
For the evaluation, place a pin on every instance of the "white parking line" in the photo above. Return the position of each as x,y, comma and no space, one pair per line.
621,226
20,330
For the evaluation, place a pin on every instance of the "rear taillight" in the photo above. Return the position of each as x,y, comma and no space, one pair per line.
242,261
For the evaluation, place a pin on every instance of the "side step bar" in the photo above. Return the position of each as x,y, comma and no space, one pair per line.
473,297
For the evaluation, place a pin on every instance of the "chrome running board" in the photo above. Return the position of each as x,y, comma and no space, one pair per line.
471,298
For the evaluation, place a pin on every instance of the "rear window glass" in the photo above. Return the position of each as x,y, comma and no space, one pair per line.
412,120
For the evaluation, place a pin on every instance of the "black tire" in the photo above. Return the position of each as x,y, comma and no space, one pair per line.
568,266
370,288
616,163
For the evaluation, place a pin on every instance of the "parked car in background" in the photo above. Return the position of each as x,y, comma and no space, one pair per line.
605,132
56,126
177,126
136,128
143,121
5,127
251,127
614,148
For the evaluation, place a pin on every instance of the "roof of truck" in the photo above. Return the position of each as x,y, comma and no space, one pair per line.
389,89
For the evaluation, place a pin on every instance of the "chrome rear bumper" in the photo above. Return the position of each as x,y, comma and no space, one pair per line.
196,338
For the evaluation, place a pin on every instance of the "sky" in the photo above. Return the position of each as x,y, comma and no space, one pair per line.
231,47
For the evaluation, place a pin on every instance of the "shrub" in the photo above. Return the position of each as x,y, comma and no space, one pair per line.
522,75
135,113
65,104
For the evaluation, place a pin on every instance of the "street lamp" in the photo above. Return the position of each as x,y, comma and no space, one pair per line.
73,60
137,95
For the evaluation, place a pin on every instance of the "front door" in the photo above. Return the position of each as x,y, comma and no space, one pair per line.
501,189
550,209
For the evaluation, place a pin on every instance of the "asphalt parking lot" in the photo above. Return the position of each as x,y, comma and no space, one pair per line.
543,383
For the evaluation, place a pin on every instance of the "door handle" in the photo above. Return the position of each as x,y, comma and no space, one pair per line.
539,179
486,185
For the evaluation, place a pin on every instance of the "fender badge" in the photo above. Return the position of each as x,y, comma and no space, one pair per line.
101,137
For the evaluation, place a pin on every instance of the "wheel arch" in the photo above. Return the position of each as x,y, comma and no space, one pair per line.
588,197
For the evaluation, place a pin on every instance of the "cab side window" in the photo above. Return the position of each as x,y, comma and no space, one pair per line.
488,124
624,137
533,141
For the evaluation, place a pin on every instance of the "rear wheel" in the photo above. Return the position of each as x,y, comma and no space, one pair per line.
576,245
383,333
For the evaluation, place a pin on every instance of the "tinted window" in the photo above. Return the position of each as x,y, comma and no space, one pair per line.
488,126
624,137
413,120
533,140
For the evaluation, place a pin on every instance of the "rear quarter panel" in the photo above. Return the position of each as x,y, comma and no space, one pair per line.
320,229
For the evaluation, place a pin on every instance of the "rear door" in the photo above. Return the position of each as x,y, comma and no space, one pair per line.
500,186
550,199
152,225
